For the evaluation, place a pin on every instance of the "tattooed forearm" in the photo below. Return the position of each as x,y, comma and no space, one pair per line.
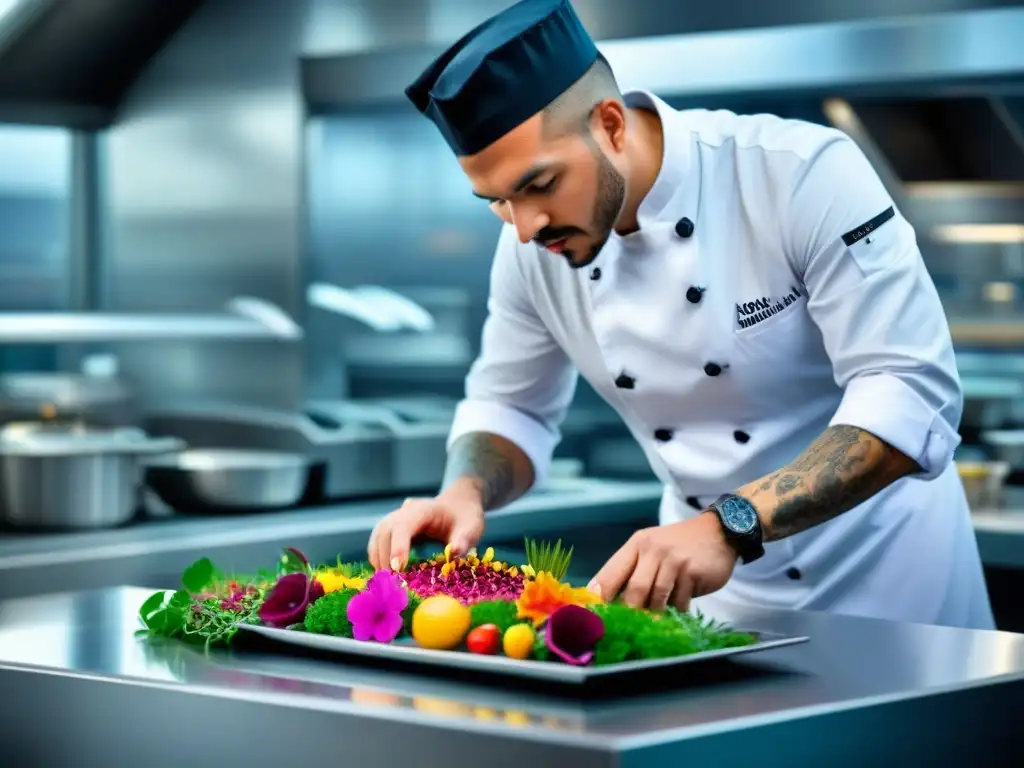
498,468
841,469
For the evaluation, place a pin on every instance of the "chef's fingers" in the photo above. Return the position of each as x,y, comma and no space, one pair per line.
664,585
384,545
396,540
408,524
641,582
466,532
614,574
371,545
684,590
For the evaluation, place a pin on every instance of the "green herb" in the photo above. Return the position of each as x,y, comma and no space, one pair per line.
501,613
632,634
545,557
541,652
353,570
410,609
327,616
208,610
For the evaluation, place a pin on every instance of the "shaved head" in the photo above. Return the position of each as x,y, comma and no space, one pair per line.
570,113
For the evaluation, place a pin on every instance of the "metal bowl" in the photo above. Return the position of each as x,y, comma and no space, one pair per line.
215,480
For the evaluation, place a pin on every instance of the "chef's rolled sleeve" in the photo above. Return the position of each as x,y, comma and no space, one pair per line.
878,311
521,384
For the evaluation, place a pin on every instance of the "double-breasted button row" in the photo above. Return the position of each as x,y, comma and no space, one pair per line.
684,228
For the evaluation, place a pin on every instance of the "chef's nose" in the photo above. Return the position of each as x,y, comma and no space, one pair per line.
528,221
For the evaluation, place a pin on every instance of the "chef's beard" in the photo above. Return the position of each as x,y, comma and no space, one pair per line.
611,195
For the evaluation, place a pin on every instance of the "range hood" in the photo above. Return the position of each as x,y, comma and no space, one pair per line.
70,62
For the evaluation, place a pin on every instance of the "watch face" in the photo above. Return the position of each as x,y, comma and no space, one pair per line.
738,515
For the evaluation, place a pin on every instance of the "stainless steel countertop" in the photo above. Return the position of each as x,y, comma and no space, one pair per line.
878,688
155,553
1000,534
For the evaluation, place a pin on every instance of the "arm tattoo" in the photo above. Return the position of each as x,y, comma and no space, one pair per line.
500,468
841,469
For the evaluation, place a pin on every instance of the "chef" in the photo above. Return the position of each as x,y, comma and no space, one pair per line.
746,295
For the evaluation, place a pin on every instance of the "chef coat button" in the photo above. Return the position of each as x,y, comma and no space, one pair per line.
794,574
684,227
693,294
712,369
625,382
663,435
740,436
694,502
595,273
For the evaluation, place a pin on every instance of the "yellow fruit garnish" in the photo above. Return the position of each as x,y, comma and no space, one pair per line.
440,623
518,641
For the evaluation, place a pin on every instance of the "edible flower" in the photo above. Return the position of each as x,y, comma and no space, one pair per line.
545,594
572,634
469,579
376,612
333,580
288,600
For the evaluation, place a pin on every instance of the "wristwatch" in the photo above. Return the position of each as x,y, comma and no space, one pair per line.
742,526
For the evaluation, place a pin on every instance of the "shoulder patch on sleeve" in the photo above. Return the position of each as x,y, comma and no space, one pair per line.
865,229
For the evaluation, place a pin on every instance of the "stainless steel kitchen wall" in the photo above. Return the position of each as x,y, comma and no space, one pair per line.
35,232
202,184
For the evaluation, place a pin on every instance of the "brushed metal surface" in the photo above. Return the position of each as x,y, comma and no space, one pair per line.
933,47
597,516
860,692
203,190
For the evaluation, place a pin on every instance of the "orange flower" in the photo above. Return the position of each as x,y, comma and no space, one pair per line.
545,594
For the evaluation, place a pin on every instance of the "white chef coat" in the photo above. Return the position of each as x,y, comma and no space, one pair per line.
728,350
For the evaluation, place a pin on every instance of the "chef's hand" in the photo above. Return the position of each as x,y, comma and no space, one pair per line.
456,517
669,565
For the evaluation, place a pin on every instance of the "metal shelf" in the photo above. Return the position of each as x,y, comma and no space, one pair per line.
245,318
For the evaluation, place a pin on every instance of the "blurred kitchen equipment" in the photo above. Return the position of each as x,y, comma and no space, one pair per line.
984,483
989,400
361,451
246,318
211,480
72,477
378,308
1007,445
66,397
416,437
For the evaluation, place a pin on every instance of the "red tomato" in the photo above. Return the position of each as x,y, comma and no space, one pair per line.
485,639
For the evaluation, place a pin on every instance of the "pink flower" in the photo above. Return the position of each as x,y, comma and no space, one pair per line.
376,612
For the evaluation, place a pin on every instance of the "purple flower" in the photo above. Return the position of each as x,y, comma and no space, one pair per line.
572,633
376,612
288,600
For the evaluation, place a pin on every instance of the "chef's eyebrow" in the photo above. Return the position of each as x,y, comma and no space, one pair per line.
521,183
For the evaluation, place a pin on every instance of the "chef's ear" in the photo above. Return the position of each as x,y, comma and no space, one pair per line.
609,120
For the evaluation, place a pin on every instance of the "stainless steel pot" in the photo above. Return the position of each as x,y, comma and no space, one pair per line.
102,400
228,480
77,478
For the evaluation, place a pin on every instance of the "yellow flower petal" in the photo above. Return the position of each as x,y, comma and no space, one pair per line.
488,555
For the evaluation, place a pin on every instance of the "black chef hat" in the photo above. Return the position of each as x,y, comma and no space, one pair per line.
503,72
